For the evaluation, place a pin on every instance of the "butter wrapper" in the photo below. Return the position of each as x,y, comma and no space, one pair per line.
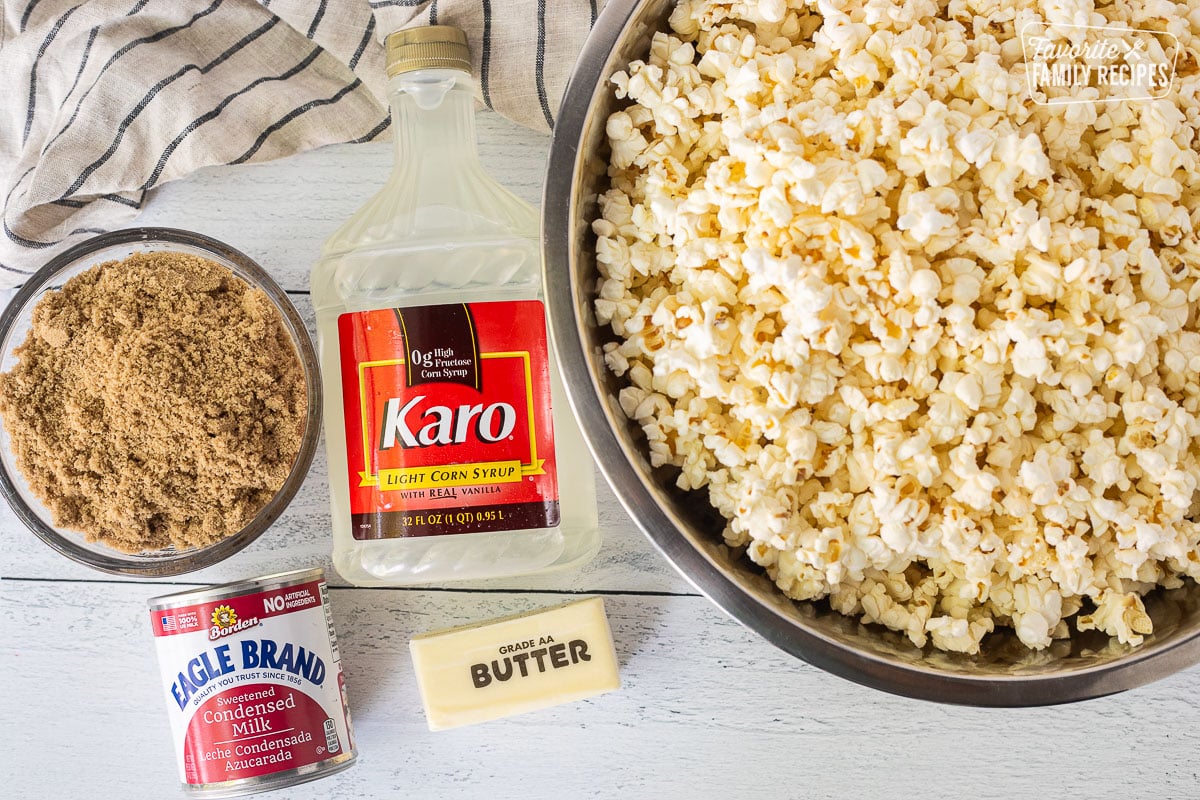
526,662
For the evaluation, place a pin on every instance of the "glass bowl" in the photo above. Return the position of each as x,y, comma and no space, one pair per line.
15,322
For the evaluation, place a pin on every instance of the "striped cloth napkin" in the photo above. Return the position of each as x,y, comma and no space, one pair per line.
105,99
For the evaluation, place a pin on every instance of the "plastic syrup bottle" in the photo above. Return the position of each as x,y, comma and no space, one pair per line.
452,452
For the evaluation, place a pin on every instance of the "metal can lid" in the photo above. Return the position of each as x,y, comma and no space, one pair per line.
427,47
226,590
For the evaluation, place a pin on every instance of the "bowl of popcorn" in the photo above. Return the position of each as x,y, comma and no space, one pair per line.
887,333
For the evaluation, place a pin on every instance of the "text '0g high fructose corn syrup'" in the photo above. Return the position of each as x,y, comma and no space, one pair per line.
452,452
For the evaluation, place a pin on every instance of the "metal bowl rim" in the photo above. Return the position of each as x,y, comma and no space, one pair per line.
1140,666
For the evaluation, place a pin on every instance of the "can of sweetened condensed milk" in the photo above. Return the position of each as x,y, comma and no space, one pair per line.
253,683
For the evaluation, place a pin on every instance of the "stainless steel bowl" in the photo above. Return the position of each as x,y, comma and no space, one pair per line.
688,532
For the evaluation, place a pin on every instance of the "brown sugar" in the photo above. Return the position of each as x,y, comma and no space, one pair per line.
157,401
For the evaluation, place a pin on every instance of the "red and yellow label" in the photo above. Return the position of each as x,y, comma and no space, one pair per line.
448,425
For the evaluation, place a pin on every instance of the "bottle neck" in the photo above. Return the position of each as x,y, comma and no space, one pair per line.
433,119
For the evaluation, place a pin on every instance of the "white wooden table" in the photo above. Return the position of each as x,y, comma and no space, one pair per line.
707,708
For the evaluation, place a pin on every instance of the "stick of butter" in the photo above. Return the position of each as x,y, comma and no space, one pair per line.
516,664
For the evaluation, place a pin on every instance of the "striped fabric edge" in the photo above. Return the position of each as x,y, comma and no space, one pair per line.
312,28
485,58
50,37
83,61
291,115
214,112
149,39
539,64
70,202
375,132
396,3
141,106
87,48
368,36
375,124
27,14
46,201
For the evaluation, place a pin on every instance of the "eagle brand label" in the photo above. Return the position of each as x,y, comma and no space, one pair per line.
254,685
448,425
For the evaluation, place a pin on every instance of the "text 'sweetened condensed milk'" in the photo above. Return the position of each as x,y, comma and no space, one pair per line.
254,683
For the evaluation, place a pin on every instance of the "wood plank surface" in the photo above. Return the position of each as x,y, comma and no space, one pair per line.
280,212
706,710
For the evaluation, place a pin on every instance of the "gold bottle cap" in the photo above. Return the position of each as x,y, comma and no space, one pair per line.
428,47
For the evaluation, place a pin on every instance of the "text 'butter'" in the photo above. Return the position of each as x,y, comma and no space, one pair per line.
522,663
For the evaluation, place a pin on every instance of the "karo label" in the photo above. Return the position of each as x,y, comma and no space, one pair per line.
448,419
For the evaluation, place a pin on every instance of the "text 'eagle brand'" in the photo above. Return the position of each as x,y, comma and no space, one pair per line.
253,681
